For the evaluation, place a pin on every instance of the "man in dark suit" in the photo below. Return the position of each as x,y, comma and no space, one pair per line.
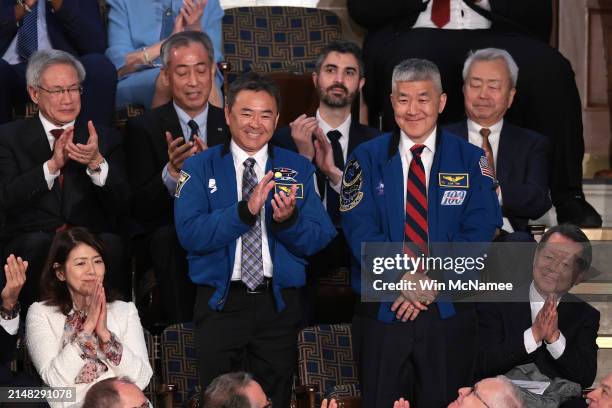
74,26
56,171
444,31
554,330
158,143
328,139
517,156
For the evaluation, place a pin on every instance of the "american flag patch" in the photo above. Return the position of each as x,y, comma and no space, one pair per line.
485,169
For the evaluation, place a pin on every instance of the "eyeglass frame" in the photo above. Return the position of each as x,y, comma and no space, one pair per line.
56,93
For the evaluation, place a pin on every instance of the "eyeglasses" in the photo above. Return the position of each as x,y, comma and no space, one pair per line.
478,397
56,93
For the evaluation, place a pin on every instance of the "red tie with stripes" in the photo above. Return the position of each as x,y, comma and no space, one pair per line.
415,224
440,12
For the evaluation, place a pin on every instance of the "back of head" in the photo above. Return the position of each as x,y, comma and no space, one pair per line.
103,394
227,391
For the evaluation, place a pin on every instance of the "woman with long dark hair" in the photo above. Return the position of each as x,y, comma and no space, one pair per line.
78,334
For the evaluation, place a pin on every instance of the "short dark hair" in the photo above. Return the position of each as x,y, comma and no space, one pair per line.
53,291
252,81
226,391
103,394
575,234
183,39
341,47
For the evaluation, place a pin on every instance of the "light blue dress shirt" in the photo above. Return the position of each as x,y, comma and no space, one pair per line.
134,24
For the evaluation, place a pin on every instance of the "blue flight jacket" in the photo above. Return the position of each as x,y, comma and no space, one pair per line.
209,219
372,202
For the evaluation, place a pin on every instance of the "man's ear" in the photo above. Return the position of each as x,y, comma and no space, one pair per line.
163,73
33,92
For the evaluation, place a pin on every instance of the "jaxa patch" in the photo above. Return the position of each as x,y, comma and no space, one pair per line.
485,168
284,174
286,189
453,197
454,180
351,193
182,180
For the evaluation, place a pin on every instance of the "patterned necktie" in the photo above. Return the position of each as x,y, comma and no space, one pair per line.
415,224
195,129
27,35
252,261
333,199
486,146
440,12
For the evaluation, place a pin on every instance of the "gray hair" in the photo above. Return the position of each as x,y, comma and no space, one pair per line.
183,39
41,60
510,397
492,54
226,391
104,394
416,69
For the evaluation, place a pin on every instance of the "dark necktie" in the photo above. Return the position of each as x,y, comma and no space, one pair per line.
415,224
486,146
333,199
27,35
57,133
440,12
195,129
252,260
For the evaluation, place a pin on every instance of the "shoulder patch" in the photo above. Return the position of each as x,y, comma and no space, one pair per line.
352,181
182,180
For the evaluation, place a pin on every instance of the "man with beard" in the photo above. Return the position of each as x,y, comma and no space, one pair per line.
328,138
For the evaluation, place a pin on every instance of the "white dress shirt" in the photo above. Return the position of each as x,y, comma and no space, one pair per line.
555,349
99,179
462,17
475,138
261,157
344,130
11,56
426,157
201,119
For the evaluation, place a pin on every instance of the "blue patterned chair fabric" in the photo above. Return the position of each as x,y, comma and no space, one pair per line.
178,360
325,360
277,39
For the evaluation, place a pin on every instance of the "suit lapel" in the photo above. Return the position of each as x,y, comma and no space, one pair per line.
356,137
37,143
504,150
215,126
168,122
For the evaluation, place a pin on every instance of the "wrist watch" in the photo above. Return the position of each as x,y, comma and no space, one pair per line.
96,170
10,314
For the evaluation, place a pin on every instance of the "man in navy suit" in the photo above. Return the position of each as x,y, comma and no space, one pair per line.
518,156
551,328
327,139
74,26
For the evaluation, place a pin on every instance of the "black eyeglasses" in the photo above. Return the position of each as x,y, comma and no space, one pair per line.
72,91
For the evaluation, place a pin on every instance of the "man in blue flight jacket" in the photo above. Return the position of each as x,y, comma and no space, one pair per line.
420,186
246,252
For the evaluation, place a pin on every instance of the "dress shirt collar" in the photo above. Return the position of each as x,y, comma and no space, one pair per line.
201,119
239,155
344,127
474,127
406,143
48,126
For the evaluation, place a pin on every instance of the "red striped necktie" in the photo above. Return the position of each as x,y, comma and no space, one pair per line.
415,223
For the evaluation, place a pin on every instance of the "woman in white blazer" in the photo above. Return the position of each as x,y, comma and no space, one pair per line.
75,338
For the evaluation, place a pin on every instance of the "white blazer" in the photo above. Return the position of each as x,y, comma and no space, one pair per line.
58,367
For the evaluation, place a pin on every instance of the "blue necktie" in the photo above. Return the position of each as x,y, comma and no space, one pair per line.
27,34
252,260
195,129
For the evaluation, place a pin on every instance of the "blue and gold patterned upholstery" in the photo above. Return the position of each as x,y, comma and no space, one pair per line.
152,343
325,360
178,360
277,39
